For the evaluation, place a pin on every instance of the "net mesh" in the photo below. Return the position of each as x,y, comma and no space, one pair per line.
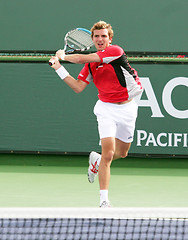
102,224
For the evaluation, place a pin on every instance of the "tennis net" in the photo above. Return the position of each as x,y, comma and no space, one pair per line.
94,224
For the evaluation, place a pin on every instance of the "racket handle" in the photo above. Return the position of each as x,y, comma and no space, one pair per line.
51,62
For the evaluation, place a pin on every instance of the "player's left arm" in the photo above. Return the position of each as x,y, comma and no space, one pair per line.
76,85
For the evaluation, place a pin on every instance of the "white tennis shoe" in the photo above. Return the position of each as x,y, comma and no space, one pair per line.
93,166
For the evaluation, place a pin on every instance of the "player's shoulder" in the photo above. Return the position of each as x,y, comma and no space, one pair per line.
110,52
115,49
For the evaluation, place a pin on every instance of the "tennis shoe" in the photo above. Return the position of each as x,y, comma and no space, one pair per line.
93,166
105,204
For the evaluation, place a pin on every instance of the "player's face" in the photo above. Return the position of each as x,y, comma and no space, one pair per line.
101,39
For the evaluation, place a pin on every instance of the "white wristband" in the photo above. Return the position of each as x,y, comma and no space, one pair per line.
62,72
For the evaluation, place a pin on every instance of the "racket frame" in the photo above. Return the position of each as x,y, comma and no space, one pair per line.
72,49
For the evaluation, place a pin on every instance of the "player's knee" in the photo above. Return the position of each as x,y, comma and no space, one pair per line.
108,156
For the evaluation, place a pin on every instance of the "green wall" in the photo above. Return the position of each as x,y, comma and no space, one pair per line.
39,112
139,25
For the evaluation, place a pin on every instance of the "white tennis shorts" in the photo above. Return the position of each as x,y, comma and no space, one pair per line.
116,120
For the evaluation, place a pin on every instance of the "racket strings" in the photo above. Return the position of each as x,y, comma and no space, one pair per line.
79,39
72,43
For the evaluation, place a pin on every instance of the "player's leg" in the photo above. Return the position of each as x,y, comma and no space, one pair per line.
108,149
112,148
121,149
107,129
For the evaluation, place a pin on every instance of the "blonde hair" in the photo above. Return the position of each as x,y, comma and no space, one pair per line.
102,25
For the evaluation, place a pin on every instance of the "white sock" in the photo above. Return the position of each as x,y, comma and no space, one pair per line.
103,196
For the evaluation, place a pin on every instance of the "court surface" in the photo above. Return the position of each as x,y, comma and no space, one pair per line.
61,181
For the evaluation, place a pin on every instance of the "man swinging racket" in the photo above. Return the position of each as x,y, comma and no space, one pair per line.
116,110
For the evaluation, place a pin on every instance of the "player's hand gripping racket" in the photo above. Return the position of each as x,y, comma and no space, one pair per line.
78,39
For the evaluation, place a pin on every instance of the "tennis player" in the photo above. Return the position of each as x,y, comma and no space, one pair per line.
116,110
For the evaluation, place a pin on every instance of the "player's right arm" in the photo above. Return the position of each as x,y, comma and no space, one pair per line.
78,58
76,85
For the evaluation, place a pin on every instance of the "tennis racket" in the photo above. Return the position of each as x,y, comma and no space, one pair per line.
78,39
